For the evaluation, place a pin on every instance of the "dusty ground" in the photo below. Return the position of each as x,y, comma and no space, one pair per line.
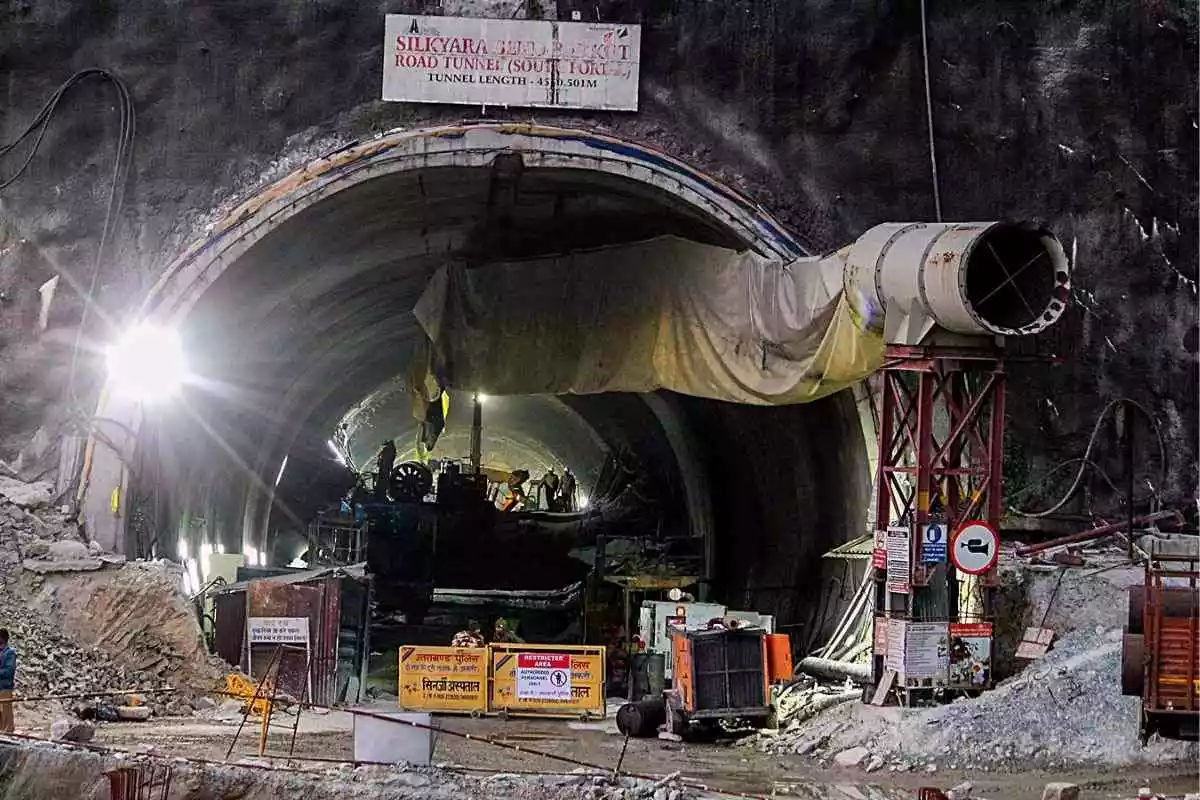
717,766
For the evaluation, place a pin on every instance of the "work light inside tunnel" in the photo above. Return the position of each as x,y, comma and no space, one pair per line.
147,363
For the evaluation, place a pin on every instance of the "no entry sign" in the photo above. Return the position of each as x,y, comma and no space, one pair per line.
975,547
544,676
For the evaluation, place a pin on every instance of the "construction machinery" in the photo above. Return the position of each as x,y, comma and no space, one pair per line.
1160,658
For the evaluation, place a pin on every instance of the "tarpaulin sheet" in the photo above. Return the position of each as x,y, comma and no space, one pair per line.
662,314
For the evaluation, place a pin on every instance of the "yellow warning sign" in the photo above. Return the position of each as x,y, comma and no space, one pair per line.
529,679
444,679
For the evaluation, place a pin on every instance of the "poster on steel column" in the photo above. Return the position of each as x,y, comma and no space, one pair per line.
899,560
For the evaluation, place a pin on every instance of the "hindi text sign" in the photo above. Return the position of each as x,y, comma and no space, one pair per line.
443,679
277,630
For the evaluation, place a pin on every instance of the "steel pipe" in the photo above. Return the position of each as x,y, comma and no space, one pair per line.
1095,533
834,670
970,278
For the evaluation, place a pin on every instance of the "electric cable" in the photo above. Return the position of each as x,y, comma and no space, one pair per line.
1086,459
937,195
122,162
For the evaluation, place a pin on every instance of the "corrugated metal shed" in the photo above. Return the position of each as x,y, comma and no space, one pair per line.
854,550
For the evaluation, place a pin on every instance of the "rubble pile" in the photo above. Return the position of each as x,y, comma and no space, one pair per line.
83,621
593,787
1065,709
45,770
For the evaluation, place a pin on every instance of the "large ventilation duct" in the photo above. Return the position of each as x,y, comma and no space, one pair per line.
740,327
973,278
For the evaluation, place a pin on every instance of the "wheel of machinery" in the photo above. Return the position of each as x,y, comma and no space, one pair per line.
411,480
1133,659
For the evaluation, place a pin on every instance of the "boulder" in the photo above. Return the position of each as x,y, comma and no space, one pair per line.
26,495
38,548
1060,791
71,730
133,713
68,550
852,757
961,792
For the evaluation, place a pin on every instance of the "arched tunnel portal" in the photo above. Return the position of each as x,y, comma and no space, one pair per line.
295,314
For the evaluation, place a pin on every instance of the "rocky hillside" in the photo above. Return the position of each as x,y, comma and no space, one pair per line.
1081,115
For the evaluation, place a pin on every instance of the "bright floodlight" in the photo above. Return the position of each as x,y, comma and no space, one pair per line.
147,363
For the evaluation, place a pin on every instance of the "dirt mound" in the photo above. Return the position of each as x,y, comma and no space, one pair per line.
137,615
83,621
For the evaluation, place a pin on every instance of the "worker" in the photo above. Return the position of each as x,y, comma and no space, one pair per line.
567,493
502,635
471,637
384,462
8,674
550,483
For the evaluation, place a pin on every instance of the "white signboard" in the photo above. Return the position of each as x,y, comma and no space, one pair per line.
899,562
894,660
927,651
543,676
502,62
277,630
975,547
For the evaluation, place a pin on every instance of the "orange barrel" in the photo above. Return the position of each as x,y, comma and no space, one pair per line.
779,657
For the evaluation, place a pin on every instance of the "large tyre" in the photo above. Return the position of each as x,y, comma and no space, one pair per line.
1133,671
641,719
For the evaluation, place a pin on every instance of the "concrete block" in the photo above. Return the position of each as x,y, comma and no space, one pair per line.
1060,791
852,757
393,742
961,792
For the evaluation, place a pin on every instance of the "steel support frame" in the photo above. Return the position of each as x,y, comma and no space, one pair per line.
959,470
940,458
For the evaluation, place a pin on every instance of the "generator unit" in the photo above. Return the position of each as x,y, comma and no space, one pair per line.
721,674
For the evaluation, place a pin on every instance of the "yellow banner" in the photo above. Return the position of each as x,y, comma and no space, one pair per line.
444,679
547,680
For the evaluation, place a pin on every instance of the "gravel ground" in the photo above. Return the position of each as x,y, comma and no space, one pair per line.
1065,710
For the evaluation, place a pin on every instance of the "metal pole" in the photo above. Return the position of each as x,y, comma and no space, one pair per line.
937,195
628,650
1128,407
476,435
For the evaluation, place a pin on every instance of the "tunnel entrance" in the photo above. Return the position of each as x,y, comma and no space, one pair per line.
296,317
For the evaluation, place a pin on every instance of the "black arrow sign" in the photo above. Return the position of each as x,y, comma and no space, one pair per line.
978,546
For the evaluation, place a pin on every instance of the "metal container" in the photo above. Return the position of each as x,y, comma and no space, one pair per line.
779,657
721,673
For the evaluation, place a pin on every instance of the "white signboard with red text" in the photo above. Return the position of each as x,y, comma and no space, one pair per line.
543,676
501,62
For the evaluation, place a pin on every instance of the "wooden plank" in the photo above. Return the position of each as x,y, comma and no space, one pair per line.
885,686
1034,643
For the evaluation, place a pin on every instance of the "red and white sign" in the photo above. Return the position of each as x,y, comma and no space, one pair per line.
975,547
507,62
879,554
543,676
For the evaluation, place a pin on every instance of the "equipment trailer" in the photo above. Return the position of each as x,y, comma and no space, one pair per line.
1160,660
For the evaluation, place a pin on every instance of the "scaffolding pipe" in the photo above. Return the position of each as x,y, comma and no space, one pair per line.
834,670
1095,533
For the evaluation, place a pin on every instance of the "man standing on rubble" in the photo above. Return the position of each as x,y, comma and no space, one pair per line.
8,674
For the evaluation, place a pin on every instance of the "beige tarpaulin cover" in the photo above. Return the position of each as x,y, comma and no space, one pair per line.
663,314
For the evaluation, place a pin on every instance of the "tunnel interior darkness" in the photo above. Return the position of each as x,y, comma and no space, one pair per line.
310,328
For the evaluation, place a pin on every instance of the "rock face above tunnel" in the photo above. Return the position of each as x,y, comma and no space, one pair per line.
1081,117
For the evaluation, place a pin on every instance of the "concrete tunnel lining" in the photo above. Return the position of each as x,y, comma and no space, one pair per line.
310,374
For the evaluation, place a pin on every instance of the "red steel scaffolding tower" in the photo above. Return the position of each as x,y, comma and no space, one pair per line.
940,461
